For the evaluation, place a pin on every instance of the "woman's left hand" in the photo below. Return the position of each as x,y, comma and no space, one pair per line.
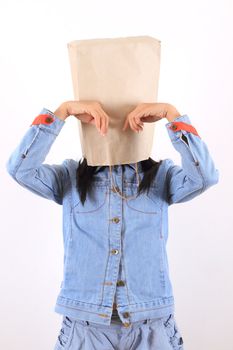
149,113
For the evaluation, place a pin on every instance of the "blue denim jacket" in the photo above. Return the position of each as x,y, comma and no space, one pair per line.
113,245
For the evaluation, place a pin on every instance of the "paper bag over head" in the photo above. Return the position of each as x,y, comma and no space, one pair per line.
120,73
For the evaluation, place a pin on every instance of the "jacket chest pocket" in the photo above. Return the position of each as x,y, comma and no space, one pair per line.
145,203
91,219
94,203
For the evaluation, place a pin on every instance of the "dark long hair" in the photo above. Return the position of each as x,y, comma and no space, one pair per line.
85,173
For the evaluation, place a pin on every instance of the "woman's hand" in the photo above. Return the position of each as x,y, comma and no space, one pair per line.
87,111
149,113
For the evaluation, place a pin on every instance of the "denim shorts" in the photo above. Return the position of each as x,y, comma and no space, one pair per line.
157,334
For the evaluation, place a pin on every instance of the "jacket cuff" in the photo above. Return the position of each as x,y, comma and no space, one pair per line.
47,120
180,125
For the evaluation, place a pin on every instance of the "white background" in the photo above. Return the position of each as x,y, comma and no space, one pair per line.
196,76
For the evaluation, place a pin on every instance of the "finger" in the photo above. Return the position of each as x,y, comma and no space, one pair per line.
97,119
106,115
146,117
138,122
141,125
132,124
103,125
135,127
126,124
130,121
135,116
135,124
104,120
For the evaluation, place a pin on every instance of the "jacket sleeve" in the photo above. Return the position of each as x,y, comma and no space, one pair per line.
25,164
197,172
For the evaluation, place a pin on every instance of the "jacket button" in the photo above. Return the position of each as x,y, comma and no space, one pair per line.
116,220
49,120
120,283
114,251
126,314
174,127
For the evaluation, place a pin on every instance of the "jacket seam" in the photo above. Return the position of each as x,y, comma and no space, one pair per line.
26,152
194,158
102,292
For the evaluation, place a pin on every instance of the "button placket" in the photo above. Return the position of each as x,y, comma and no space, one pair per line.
115,207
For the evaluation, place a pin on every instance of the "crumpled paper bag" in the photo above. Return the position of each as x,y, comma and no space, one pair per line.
120,73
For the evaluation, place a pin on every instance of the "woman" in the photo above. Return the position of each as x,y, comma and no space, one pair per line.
116,292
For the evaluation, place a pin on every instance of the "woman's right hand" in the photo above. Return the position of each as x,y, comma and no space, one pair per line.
90,112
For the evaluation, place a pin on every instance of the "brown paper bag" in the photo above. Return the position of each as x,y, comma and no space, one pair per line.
120,73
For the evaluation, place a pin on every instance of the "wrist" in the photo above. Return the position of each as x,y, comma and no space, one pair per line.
62,111
171,113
